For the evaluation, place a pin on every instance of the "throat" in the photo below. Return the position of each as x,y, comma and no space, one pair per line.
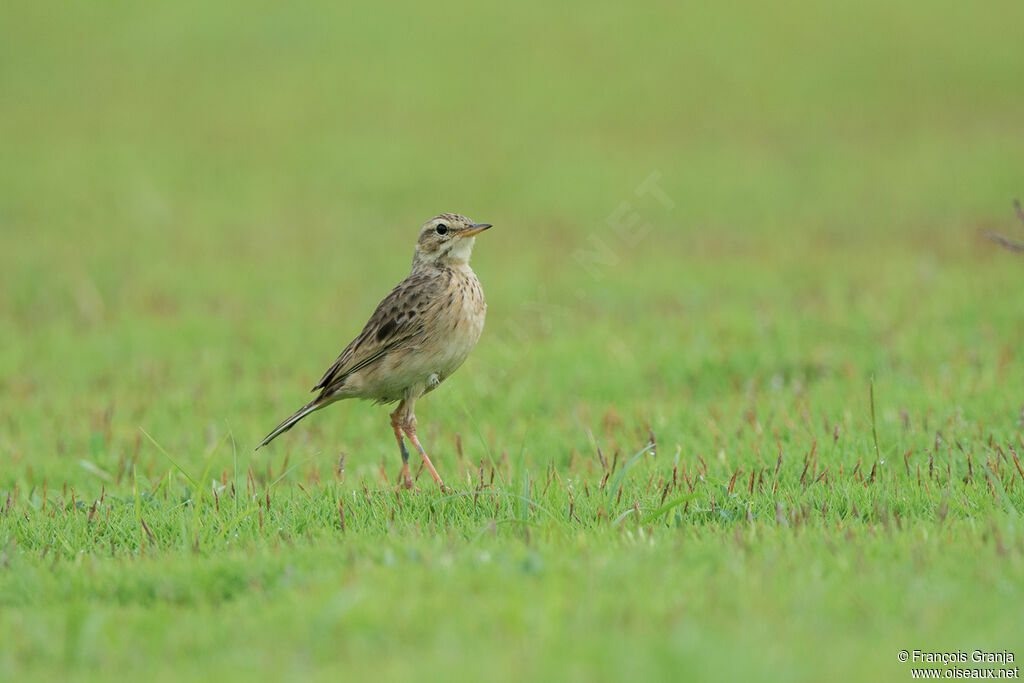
454,255
458,253
453,263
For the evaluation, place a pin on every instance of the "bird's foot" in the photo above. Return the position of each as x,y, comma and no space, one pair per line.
405,480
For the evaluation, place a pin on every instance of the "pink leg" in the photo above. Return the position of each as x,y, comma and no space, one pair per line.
409,427
396,424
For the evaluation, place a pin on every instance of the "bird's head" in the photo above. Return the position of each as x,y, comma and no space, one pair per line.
447,240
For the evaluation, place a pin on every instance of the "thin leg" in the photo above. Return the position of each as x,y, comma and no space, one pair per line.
410,430
396,424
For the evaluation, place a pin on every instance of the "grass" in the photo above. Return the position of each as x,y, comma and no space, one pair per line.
761,422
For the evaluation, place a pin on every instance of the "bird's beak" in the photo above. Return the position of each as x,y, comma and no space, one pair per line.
474,229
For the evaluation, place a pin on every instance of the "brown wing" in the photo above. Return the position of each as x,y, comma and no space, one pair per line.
397,321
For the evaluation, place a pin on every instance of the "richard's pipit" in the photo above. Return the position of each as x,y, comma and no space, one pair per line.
419,335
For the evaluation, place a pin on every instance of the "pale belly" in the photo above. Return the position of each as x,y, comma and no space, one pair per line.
417,369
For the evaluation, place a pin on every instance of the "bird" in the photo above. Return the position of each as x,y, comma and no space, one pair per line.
416,338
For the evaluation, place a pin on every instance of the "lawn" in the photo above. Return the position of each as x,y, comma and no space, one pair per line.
750,399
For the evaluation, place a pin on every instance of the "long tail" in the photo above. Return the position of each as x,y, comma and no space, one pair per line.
314,405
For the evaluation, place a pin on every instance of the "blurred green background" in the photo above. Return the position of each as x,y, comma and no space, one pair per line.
201,203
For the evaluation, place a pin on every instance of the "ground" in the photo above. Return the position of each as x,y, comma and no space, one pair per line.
749,400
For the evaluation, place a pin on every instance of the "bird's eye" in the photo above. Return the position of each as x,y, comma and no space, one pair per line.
441,229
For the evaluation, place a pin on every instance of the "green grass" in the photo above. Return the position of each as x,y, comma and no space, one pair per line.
200,205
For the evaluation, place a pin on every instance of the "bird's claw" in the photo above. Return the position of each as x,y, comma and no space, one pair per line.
406,484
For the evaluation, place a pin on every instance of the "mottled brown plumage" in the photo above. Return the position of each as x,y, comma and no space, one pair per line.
418,336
